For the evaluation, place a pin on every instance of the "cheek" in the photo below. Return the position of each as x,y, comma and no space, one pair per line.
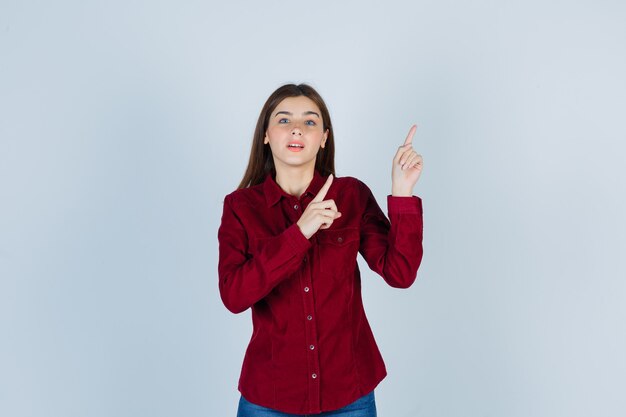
314,131
277,131
272,133
317,138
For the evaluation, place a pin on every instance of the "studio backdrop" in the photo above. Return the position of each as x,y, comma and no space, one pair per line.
124,124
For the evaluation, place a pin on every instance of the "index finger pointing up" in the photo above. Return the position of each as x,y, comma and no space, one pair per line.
322,192
409,137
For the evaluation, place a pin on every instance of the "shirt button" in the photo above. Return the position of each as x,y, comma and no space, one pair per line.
311,347
309,317
314,376
339,239
296,207
306,289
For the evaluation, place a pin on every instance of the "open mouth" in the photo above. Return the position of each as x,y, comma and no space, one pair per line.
295,146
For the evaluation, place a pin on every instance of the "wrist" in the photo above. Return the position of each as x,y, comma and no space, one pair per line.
302,231
397,192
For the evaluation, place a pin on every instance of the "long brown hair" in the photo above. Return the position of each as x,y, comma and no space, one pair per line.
261,161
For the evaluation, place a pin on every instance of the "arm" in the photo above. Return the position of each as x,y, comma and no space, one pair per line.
392,249
246,279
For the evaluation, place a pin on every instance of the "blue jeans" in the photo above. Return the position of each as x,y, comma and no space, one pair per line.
363,407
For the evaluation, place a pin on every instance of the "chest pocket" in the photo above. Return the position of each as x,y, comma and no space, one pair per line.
337,251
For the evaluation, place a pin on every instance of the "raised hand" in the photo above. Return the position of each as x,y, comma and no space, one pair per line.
320,213
406,168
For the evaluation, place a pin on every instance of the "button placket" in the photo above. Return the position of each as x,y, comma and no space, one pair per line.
311,339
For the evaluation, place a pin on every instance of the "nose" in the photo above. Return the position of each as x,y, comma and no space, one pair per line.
296,131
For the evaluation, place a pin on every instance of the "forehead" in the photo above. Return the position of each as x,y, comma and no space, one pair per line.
297,105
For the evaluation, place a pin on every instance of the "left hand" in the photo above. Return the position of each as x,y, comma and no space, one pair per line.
406,168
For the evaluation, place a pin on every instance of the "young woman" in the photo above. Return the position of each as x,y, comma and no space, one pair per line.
288,244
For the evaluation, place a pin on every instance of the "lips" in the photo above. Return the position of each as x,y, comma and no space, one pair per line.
295,146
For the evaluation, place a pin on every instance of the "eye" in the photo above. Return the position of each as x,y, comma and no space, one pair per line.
283,120
310,123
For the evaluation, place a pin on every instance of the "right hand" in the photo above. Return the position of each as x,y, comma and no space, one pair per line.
320,213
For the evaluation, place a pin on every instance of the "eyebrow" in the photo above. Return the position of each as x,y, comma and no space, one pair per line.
306,113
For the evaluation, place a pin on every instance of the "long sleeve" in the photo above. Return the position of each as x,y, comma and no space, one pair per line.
244,278
392,248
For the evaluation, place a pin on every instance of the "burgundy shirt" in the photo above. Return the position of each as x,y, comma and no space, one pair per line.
312,349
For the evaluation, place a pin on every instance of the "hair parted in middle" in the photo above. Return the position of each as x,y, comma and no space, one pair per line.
261,161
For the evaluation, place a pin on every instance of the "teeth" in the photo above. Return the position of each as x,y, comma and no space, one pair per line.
295,145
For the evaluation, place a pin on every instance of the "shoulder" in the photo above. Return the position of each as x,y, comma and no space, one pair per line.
245,196
351,188
347,182
351,183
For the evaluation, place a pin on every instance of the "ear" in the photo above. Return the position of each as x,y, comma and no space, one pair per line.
325,138
266,140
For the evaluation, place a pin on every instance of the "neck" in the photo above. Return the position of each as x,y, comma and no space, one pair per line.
294,180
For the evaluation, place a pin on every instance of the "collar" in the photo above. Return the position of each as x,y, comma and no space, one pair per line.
273,192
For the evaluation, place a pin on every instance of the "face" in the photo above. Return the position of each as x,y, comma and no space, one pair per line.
295,133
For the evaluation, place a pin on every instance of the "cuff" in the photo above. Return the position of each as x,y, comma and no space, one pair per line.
409,205
297,240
